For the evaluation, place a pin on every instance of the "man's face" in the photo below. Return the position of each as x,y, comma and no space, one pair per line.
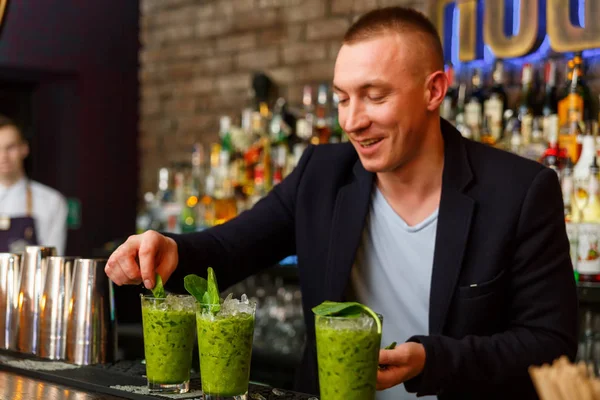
383,102
12,152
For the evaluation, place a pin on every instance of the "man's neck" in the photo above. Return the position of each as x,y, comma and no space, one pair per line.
414,189
10,180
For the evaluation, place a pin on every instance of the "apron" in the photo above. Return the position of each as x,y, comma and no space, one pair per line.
16,233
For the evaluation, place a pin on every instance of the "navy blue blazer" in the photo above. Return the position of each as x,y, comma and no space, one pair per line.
500,226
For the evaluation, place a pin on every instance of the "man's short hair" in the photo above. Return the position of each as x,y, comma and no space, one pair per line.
382,21
6,122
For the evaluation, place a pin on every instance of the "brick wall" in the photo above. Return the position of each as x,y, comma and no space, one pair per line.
197,58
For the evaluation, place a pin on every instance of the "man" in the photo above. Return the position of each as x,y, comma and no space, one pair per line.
460,246
30,213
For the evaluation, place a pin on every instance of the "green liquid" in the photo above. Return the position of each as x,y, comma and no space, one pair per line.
225,345
347,360
168,344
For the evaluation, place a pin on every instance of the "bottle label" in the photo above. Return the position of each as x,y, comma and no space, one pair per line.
527,128
303,129
572,234
569,143
494,110
588,257
473,115
570,109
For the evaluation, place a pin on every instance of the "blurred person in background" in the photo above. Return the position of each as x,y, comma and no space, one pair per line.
30,213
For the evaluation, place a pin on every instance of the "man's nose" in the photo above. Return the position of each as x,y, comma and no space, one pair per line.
356,118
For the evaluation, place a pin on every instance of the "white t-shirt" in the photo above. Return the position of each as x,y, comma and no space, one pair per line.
392,275
49,211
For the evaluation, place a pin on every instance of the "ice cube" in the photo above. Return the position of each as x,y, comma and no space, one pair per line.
233,306
178,303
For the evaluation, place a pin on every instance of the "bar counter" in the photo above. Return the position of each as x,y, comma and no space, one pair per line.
24,377
18,387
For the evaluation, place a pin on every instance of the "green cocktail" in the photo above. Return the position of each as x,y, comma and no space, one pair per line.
225,346
347,356
169,333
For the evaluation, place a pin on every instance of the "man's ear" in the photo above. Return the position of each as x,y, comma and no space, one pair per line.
437,86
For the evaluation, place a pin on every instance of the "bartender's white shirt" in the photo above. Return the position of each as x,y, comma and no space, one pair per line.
49,211
392,275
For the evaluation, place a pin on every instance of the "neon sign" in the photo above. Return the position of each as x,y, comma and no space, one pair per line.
477,29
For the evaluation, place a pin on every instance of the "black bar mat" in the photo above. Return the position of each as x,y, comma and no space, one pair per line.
123,379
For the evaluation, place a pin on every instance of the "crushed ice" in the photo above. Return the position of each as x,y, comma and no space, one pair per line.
232,307
176,303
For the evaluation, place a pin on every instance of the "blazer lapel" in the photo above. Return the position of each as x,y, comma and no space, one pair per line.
454,222
351,209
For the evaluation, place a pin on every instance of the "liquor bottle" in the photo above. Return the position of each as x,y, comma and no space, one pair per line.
567,187
516,140
554,150
337,133
460,121
205,215
588,152
322,130
248,110
486,136
566,183
225,134
306,121
584,88
279,130
224,196
279,162
474,104
496,103
448,106
463,128
537,145
550,101
588,255
551,157
571,110
525,109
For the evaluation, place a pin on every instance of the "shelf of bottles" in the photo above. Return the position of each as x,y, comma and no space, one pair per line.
226,178
554,124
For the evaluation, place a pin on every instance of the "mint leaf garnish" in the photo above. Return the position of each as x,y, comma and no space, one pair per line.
158,291
212,292
196,286
391,346
347,309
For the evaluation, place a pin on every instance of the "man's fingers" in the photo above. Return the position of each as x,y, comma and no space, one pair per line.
121,267
391,376
130,269
386,378
386,357
147,253
115,273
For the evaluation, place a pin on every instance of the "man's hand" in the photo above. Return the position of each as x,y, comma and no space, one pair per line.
140,258
400,364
